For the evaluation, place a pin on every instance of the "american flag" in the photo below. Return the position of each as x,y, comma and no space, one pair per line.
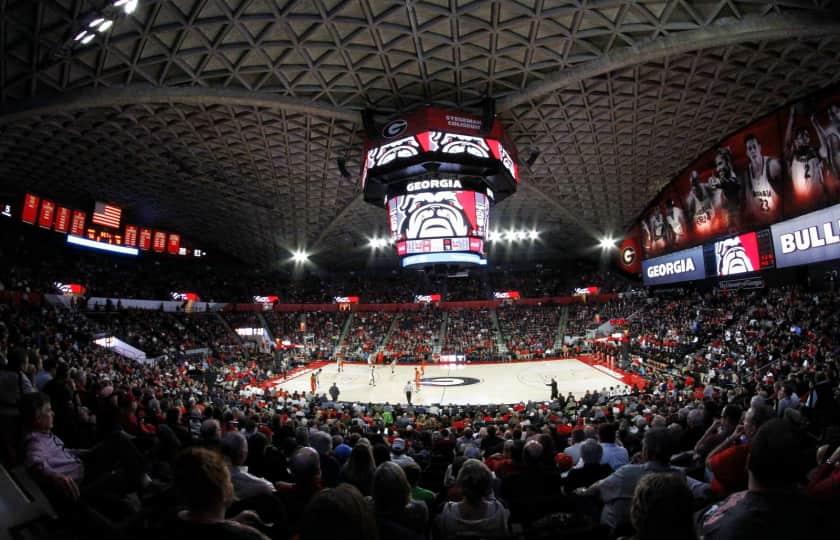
107,215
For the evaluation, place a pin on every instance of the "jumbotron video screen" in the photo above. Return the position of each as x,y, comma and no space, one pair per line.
437,223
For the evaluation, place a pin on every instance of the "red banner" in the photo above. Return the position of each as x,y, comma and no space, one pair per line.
131,235
173,244
30,208
77,225
62,219
159,243
145,238
45,218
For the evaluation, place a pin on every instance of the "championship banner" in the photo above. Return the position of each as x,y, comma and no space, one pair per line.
30,208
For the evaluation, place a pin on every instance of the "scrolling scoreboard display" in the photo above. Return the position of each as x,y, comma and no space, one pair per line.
438,173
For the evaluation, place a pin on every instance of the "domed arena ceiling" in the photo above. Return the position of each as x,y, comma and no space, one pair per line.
225,119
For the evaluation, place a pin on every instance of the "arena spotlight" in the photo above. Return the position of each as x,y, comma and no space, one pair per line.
377,243
128,5
494,236
607,242
300,256
105,25
533,235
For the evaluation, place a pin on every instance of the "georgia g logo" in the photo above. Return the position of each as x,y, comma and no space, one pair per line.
449,381
394,128
628,255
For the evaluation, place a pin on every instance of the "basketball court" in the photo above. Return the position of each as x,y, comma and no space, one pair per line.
459,384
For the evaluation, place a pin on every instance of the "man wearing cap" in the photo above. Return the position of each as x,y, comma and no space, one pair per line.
398,453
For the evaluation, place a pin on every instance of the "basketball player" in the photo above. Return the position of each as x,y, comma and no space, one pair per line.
657,230
416,379
806,167
727,189
647,240
393,363
313,382
761,177
700,205
372,381
675,218
830,139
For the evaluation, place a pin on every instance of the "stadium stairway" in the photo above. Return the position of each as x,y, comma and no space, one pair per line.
344,331
265,326
394,322
561,328
441,334
501,346
228,326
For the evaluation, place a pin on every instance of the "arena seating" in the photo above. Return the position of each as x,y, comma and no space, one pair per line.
366,333
529,331
416,334
471,333
771,351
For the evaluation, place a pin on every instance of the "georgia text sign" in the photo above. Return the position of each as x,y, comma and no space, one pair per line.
808,239
685,265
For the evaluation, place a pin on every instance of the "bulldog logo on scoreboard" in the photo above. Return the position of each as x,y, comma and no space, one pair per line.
449,381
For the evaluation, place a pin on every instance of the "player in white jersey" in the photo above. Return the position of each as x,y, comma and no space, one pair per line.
657,230
700,205
830,139
675,218
726,188
806,167
762,175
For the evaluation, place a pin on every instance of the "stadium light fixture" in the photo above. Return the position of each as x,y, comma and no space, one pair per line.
96,22
88,38
607,242
494,236
128,5
533,234
300,256
106,24
81,35
377,243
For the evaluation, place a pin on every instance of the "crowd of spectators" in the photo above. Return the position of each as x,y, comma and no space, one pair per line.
737,434
415,336
529,331
471,332
366,333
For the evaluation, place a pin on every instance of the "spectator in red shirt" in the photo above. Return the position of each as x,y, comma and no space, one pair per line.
728,461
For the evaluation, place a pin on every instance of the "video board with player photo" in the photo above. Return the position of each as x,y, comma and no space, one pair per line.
779,167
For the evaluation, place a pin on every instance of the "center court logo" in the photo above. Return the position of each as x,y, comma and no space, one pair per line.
449,381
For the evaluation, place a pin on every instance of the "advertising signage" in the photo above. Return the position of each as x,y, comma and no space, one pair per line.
685,265
808,239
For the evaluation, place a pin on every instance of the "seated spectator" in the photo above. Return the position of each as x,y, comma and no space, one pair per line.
202,481
825,480
771,508
728,462
477,514
397,516
593,467
359,469
616,491
614,455
339,512
305,465
412,474
113,468
245,485
662,509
